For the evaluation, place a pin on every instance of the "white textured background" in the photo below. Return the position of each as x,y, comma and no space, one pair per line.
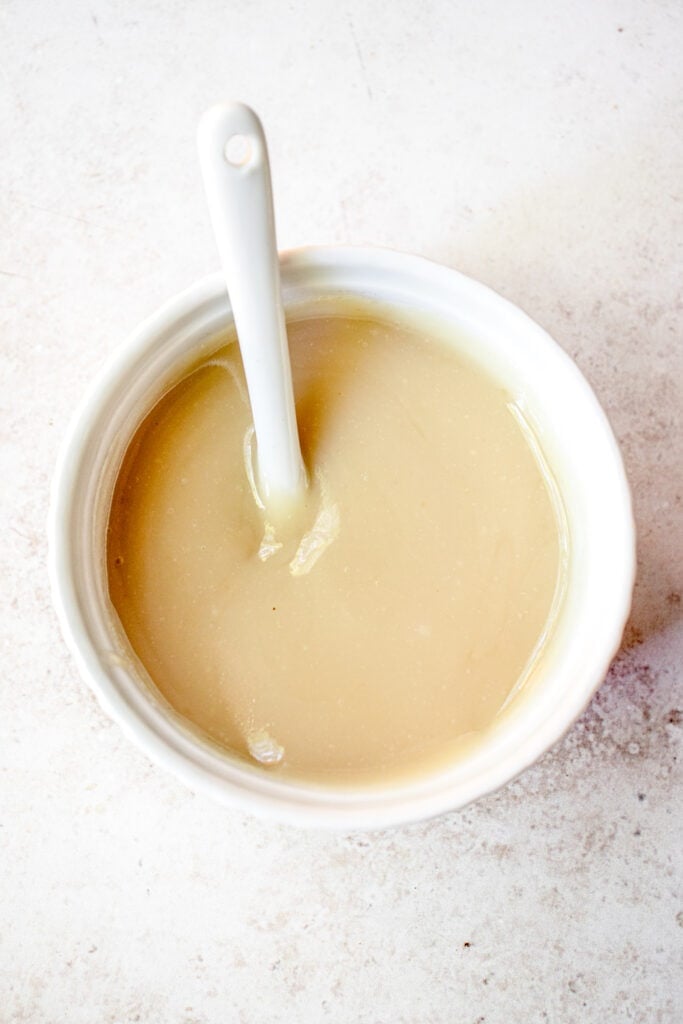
534,145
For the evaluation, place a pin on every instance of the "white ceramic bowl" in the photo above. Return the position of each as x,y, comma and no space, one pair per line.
577,441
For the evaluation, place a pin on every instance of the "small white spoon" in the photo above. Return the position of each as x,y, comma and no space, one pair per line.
234,162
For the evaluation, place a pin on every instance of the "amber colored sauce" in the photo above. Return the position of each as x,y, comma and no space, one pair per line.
426,583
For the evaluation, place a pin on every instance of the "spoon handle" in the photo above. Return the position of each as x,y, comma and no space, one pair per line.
234,161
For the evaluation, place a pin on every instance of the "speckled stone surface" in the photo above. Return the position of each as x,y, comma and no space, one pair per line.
536,146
